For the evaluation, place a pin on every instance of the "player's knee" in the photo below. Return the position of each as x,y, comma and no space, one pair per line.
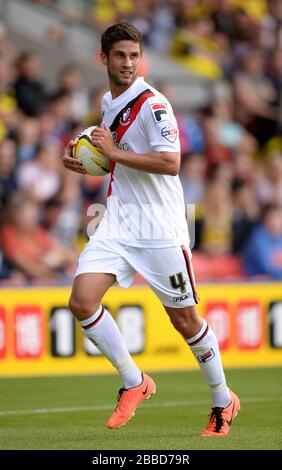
179,322
81,309
184,320
74,306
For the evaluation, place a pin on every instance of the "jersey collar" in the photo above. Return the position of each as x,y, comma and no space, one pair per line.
127,93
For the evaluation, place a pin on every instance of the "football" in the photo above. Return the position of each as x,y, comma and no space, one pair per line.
93,161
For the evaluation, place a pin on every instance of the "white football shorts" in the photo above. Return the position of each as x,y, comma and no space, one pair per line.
168,271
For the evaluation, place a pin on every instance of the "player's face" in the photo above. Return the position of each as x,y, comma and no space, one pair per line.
123,63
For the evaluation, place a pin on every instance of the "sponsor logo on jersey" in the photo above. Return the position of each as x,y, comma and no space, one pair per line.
160,112
169,133
181,298
206,357
124,146
125,119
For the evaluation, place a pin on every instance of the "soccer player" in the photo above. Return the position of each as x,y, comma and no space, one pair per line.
143,230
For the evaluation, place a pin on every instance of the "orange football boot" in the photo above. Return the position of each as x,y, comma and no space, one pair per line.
128,400
220,419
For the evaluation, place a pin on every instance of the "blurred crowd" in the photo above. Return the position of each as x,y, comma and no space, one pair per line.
231,149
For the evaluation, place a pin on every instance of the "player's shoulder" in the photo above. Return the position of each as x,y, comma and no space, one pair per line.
106,99
155,96
157,106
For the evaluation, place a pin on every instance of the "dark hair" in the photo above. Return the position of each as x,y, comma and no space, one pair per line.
24,57
58,95
238,184
122,31
269,208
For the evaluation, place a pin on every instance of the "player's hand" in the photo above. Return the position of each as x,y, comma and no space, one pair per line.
70,162
103,140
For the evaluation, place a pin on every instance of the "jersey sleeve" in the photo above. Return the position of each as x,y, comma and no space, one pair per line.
160,125
104,107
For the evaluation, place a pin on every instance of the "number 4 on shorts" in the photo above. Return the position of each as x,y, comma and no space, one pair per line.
177,281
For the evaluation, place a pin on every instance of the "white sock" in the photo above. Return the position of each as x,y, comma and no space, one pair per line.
204,346
103,331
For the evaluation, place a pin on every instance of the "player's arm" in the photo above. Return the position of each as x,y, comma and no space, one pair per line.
165,163
70,162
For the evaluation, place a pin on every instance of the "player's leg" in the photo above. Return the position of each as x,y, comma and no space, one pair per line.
204,345
169,273
99,326
89,287
87,291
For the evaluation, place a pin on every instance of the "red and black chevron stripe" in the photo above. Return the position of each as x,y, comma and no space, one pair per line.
119,129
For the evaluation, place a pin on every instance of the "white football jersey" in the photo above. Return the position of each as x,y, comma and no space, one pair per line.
143,209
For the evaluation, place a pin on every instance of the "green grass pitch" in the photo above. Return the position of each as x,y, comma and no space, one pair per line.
70,413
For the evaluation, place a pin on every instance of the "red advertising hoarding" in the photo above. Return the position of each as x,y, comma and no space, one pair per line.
28,332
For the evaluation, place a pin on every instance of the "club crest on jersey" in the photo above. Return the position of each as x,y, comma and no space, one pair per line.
160,112
125,119
169,133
